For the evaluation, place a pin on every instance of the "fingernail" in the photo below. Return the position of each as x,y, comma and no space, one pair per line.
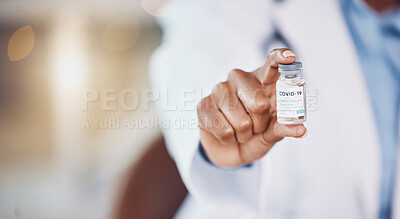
288,53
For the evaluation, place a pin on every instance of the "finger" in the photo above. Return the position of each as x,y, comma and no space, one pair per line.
268,73
218,153
212,120
254,98
235,113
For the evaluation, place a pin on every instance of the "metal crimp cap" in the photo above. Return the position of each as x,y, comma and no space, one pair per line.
288,69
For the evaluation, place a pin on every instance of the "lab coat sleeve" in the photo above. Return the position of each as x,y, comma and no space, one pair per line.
202,41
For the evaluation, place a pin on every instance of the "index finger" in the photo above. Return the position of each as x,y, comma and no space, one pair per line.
268,73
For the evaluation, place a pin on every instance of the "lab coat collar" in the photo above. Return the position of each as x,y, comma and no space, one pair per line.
333,69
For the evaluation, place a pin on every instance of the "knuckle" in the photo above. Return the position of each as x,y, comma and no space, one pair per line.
235,73
221,88
226,133
244,125
259,107
273,53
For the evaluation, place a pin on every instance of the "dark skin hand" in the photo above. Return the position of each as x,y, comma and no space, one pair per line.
238,120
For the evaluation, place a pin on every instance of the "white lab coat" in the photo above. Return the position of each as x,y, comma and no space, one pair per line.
334,172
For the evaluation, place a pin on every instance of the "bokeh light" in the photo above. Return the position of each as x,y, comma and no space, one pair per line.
69,47
21,43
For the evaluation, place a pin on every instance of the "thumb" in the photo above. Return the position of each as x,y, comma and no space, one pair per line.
268,73
277,131
261,143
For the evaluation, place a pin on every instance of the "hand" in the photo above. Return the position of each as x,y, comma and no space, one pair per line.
238,120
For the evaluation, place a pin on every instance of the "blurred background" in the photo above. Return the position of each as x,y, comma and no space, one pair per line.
52,166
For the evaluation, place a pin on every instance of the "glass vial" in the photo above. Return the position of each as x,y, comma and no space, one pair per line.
291,94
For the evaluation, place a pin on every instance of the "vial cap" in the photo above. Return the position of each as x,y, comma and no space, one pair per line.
289,69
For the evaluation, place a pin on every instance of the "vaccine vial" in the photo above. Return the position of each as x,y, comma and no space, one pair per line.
291,94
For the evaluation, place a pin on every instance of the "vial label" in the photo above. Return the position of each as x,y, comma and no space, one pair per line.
290,102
